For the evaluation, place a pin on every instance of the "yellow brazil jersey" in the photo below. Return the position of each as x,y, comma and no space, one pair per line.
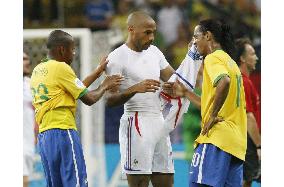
229,135
55,89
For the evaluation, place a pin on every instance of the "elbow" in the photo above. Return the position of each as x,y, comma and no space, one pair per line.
89,103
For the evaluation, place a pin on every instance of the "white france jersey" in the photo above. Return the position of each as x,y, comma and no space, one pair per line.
136,67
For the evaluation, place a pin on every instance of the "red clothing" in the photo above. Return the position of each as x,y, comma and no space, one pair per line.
252,99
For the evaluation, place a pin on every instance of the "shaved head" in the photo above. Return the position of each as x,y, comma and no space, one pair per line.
141,30
138,18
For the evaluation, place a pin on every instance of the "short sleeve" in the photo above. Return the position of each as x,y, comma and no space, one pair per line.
113,66
215,69
67,79
163,63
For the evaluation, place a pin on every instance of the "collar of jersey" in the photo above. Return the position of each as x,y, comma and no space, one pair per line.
45,59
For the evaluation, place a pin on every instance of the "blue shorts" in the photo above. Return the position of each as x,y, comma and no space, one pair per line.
210,166
62,157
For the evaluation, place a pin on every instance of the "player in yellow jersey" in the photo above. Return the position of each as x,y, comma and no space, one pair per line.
221,146
55,89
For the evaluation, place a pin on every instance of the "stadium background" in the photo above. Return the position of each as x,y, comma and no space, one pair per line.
97,34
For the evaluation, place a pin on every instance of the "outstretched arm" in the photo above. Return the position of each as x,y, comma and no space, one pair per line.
96,73
93,96
178,89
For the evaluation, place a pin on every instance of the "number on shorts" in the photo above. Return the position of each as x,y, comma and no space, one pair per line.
195,159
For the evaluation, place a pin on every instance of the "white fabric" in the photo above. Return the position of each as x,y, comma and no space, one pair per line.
143,150
136,67
146,152
28,165
28,119
186,74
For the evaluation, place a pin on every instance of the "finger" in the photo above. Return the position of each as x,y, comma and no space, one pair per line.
152,81
104,61
167,86
151,90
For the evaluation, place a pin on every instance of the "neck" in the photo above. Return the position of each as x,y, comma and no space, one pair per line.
54,56
214,46
131,45
244,69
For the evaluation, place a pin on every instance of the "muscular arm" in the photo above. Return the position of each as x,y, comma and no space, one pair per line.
115,98
166,73
96,73
221,93
222,90
180,90
93,96
195,99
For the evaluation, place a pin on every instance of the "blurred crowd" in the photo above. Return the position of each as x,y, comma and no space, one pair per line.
175,20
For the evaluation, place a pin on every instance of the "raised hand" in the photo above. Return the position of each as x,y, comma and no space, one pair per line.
148,85
111,82
102,65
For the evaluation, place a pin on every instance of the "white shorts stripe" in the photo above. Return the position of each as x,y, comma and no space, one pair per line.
199,178
74,159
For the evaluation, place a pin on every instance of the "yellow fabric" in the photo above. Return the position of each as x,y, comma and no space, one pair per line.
55,89
229,135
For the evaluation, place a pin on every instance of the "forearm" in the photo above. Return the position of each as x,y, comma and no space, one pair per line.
95,95
221,93
91,78
195,99
253,129
115,99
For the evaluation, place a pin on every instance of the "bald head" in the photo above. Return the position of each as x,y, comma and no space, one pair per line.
139,18
141,29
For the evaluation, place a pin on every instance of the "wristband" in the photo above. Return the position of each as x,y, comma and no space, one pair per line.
258,147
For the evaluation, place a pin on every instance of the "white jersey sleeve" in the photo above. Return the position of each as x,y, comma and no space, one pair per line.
163,61
113,66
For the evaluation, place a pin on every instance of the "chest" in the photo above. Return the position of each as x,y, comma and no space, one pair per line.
140,67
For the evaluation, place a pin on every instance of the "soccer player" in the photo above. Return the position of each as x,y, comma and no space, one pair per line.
55,89
28,123
145,154
221,146
247,59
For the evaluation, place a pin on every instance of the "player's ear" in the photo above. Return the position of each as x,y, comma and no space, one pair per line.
242,58
208,35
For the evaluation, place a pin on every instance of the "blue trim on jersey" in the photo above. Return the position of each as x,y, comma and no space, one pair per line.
194,55
190,85
62,158
214,167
